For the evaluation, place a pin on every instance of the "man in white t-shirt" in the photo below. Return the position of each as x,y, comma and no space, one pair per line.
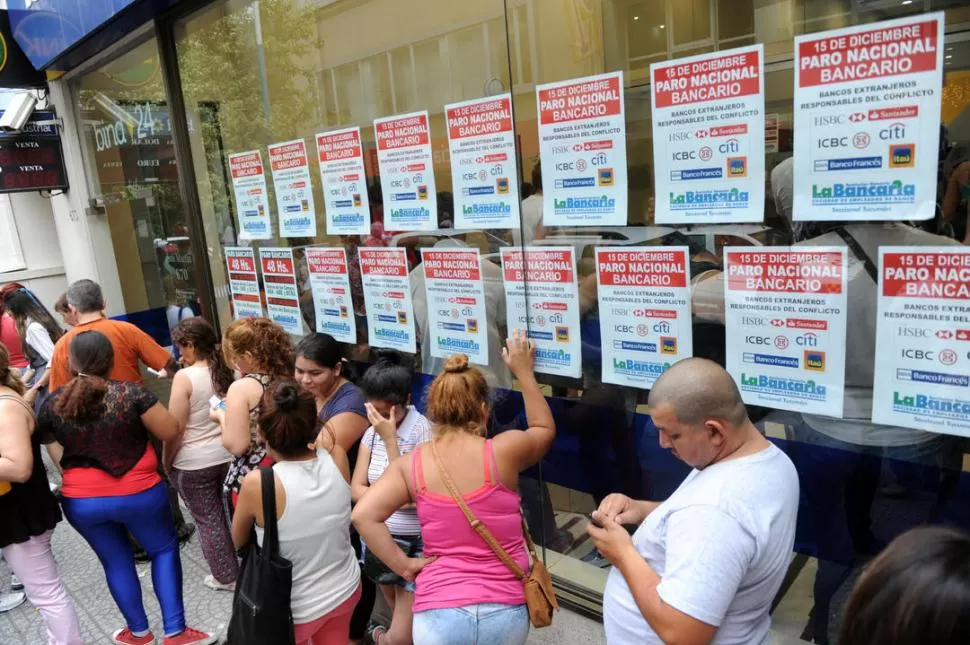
705,565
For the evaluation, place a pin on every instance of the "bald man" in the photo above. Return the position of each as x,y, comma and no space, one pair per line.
703,566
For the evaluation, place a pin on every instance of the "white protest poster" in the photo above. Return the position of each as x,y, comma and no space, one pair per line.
344,182
282,295
867,120
330,285
387,297
922,371
582,144
407,172
484,172
542,298
456,303
709,137
645,311
785,313
249,188
294,192
243,283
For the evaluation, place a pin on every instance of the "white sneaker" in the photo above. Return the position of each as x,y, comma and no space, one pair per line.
15,583
13,600
211,582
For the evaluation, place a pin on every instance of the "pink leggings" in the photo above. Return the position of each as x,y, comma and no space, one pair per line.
33,562
330,629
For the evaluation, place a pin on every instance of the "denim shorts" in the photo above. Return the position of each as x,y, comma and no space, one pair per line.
485,624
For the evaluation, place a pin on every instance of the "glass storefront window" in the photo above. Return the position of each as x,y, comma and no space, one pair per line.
255,74
127,144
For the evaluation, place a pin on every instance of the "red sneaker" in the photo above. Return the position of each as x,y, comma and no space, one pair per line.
125,637
190,637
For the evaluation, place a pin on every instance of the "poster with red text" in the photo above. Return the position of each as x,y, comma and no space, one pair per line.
867,120
243,283
645,311
407,172
344,182
582,144
542,298
294,192
249,188
456,303
282,294
387,297
484,172
922,371
709,137
330,285
785,313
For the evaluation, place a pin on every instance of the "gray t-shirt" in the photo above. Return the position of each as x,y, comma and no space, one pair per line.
721,546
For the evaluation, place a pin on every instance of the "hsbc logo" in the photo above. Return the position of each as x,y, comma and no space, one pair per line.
826,120
913,332
700,134
560,150
679,136
777,322
753,321
945,334
577,147
855,117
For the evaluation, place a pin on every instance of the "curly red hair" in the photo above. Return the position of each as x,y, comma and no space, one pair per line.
266,344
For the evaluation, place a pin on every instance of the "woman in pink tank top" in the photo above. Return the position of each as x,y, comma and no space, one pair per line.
465,594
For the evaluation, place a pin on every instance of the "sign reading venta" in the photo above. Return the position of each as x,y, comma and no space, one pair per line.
32,158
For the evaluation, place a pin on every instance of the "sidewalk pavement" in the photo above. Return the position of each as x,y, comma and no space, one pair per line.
205,609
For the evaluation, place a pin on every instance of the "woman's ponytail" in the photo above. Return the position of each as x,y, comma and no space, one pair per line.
92,358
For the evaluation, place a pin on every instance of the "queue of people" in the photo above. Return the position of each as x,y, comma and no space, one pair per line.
370,493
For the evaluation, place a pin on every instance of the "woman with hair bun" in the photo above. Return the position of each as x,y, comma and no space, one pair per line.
111,485
263,354
397,428
465,593
313,512
324,372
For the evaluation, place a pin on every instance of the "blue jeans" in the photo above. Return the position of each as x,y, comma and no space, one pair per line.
104,523
485,624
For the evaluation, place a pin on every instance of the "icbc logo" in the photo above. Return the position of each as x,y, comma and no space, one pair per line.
706,153
581,165
947,357
861,140
643,330
781,342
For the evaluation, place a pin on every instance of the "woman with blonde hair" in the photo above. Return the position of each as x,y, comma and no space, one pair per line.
465,593
262,352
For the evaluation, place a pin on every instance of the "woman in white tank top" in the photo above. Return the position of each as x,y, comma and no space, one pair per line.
313,511
196,461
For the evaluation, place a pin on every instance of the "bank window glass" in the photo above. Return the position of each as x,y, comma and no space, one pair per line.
126,141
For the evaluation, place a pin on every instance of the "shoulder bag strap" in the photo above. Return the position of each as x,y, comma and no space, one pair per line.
476,524
270,536
17,399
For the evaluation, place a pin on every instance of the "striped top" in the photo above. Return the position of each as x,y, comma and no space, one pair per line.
414,430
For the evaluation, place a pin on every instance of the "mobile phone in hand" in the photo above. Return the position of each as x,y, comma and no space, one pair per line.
595,522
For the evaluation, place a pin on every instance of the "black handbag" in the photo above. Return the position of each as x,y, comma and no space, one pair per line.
261,604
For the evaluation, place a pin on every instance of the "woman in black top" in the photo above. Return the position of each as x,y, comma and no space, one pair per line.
29,512
111,485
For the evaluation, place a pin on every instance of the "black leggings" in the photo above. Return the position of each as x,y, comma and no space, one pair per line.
368,594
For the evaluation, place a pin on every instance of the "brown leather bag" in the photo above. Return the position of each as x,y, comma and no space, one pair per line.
540,598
